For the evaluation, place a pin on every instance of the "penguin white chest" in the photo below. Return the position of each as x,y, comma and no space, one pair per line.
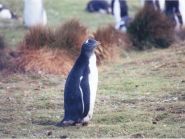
93,82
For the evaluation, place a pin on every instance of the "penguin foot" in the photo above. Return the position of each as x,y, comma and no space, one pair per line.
66,123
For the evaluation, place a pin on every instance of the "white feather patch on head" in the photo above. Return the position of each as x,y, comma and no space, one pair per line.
87,41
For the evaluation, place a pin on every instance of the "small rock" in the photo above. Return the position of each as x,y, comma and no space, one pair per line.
137,135
85,124
49,133
154,122
160,109
63,137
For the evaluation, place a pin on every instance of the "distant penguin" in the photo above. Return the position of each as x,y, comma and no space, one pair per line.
6,13
34,13
173,12
101,6
120,12
81,86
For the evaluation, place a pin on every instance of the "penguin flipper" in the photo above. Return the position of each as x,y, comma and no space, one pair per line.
86,96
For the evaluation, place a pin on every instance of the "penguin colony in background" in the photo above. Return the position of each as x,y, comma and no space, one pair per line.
118,8
174,9
81,86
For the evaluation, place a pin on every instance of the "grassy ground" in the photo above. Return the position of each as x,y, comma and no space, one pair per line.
141,95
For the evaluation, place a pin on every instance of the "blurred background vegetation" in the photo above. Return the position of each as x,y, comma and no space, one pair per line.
58,11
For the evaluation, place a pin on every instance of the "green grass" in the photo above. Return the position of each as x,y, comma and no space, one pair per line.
140,95
137,97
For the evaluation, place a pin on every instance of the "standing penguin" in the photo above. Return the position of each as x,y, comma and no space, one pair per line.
80,88
34,13
120,12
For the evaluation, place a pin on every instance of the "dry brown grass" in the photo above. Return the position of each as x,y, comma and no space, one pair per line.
37,37
151,28
112,42
70,35
46,51
45,60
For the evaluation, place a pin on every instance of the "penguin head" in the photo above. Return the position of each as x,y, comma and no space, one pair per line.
89,46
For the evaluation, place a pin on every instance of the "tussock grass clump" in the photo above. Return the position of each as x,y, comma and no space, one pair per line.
70,35
46,51
45,60
55,52
112,41
151,28
38,37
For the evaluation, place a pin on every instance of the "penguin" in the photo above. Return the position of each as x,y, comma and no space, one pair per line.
101,6
6,13
120,12
38,13
81,86
173,12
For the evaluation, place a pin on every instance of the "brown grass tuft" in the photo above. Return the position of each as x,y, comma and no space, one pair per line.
151,28
51,52
45,60
112,41
55,52
38,37
70,35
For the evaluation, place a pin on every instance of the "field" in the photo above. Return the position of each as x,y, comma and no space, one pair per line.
141,94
